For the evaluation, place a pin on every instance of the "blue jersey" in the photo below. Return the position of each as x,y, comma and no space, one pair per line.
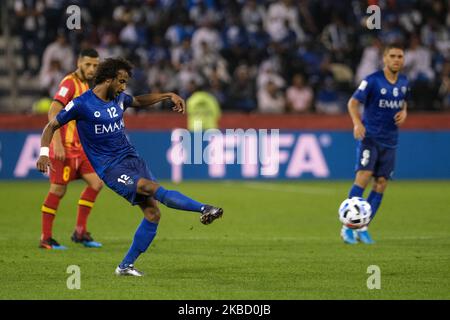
101,128
382,100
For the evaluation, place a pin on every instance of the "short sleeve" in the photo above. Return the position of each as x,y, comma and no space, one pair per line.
363,90
127,101
65,92
68,113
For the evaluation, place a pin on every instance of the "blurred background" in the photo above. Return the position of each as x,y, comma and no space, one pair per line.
253,56
250,64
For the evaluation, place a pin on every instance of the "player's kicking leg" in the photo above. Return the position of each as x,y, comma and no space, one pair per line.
85,205
132,180
176,200
146,231
143,237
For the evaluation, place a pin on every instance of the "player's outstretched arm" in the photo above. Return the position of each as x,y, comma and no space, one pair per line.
152,98
44,161
359,131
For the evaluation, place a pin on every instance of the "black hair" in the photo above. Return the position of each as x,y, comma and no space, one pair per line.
89,52
393,46
109,69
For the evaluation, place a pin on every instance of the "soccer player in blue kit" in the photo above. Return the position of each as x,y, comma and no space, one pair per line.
99,118
383,94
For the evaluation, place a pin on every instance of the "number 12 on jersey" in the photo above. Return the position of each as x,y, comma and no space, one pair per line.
112,112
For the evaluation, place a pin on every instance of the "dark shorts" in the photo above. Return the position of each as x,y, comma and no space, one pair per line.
124,176
373,157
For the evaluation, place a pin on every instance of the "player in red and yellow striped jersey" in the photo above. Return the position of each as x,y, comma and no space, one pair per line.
68,159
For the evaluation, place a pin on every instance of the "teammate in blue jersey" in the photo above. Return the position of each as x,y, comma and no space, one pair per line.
383,94
99,117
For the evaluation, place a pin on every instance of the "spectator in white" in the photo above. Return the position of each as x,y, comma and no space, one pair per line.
370,60
185,78
207,34
418,61
174,35
162,74
253,15
271,99
210,62
58,50
278,13
128,35
50,80
182,54
299,96
268,72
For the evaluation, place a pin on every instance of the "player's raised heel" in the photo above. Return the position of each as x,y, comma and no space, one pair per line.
51,244
348,236
128,271
210,214
86,240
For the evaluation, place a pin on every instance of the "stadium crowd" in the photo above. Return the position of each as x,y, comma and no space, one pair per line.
252,55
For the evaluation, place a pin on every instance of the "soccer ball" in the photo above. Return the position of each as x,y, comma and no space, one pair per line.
355,213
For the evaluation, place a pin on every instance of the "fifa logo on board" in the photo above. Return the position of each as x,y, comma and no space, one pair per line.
258,152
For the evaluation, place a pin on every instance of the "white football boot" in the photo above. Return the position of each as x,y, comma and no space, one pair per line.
128,271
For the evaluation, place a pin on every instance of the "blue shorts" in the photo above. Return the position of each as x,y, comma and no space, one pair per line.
373,157
124,176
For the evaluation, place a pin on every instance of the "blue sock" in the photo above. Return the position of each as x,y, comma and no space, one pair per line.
375,200
142,238
356,191
176,200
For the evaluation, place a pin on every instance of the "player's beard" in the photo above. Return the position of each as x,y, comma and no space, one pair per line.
110,93
85,77
394,70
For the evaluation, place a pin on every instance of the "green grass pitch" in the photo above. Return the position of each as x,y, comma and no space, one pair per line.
276,240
